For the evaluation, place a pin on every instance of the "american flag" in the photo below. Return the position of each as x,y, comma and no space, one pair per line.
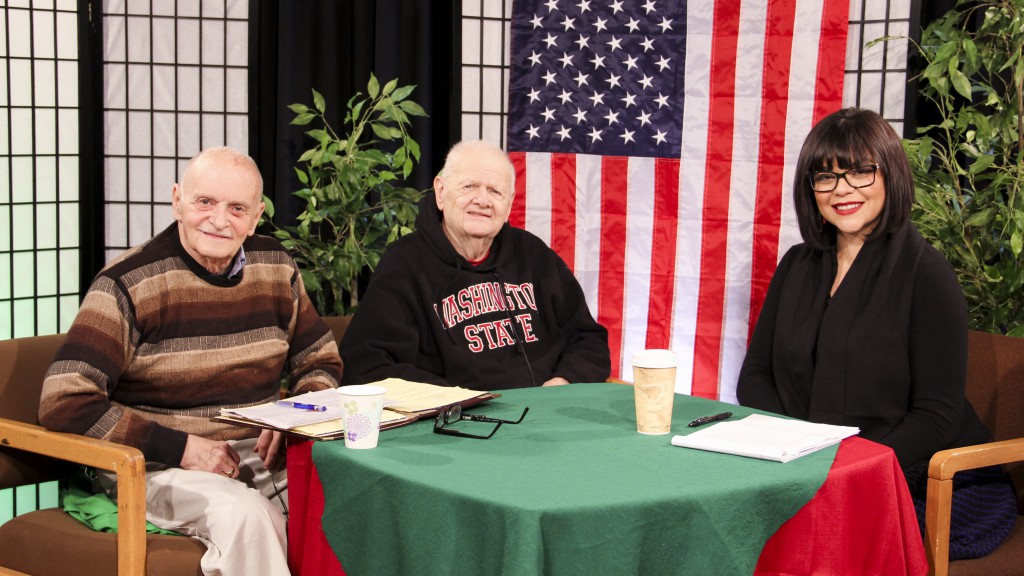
654,143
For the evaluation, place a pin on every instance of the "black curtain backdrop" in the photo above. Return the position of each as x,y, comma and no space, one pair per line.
91,174
333,46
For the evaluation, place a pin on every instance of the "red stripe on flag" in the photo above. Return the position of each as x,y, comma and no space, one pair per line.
663,253
563,207
613,253
828,95
517,217
715,219
772,151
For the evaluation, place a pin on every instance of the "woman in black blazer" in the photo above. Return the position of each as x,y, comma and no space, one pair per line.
864,323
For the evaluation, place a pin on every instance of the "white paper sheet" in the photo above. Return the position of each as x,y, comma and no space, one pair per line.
765,437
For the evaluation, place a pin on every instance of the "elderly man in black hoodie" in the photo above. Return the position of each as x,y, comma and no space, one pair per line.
469,301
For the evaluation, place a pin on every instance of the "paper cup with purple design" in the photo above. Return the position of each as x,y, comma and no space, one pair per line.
361,409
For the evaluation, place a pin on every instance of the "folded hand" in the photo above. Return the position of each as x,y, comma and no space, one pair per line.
215,456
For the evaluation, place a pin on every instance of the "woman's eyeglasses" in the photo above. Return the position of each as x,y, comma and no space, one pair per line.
454,414
859,177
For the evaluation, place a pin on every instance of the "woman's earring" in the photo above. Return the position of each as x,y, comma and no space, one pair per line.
821,223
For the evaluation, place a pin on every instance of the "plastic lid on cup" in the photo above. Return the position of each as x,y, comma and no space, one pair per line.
362,390
654,358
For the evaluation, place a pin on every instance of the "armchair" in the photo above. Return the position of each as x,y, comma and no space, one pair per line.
338,325
995,387
50,542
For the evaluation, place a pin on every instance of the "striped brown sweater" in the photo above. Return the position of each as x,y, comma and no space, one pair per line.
160,345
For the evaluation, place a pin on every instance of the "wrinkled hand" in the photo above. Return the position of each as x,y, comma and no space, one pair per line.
270,448
556,381
215,456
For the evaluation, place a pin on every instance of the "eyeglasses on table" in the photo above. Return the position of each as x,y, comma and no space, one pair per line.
454,414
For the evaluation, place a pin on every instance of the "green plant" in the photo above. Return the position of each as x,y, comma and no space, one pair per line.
355,205
968,167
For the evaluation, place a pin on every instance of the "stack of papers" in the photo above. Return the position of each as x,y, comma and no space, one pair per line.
404,402
419,397
766,437
283,416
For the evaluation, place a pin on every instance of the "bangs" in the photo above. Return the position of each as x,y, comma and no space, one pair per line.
840,148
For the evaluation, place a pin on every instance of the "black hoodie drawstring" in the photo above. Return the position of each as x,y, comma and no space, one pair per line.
440,293
520,348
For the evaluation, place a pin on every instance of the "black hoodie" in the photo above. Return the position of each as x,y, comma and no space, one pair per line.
515,320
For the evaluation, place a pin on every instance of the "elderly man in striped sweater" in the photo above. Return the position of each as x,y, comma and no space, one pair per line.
205,315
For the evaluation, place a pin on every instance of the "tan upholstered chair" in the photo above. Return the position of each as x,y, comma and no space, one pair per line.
50,542
338,325
995,386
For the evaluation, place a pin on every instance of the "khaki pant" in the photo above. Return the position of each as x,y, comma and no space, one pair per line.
241,521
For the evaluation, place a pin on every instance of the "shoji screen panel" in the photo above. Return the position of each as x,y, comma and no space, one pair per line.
38,167
876,77
175,82
39,190
485,56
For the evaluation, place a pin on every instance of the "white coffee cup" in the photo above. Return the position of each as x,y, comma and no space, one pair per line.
361,408
654,383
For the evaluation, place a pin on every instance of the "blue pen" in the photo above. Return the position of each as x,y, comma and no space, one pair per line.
301,406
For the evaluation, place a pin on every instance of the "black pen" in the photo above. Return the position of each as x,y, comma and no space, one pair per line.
709,419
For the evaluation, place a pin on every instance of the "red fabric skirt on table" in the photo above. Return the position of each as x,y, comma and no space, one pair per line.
861,521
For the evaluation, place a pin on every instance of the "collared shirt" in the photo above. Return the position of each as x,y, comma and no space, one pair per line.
238,264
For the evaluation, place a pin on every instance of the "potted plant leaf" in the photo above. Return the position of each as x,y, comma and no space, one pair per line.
969,165
352,185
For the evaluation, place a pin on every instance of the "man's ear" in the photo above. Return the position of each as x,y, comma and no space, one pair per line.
439,192
176,193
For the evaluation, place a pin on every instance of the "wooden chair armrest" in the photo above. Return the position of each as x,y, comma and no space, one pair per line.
948,462
941,469
127,462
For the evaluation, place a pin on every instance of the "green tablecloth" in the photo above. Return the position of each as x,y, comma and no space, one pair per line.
573,489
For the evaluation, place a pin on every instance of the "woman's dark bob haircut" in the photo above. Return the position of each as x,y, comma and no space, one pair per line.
842,140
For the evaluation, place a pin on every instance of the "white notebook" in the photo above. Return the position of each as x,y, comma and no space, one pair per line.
765,437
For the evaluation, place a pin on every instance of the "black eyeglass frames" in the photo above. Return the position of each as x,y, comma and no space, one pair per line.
859,177
454,414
